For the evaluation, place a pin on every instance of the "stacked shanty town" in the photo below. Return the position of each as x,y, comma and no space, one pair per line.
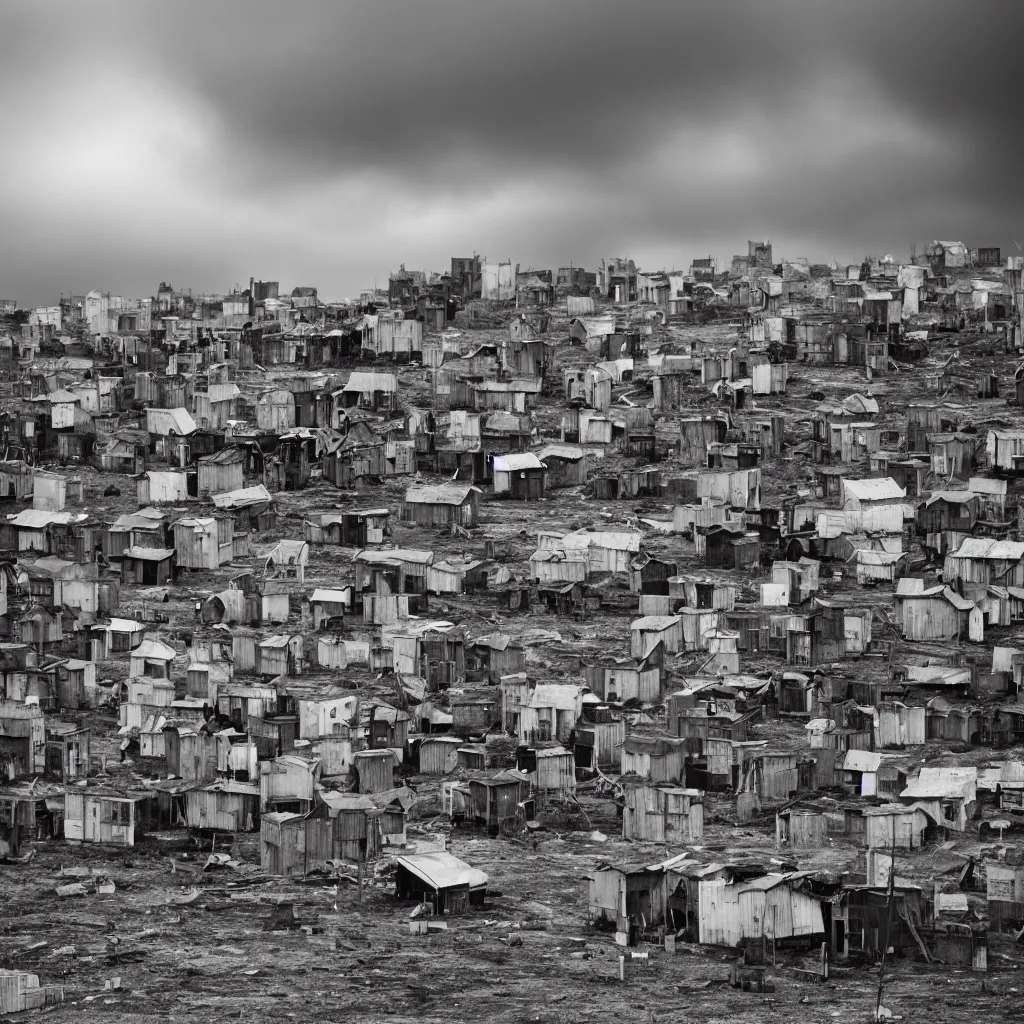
619,612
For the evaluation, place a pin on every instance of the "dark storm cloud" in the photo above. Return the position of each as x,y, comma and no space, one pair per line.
335,139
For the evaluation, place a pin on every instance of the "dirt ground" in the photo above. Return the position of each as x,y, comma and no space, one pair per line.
527,956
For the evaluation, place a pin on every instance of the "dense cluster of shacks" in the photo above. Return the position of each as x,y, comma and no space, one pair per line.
843,553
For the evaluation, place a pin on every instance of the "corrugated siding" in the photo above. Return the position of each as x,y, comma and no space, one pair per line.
718,914
606,896
643,816
639,764
223,812
385,610
727,917
556,774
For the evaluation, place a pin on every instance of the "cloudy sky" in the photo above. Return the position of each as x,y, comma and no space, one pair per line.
325,141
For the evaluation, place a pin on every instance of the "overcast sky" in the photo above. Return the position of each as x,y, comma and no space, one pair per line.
326,142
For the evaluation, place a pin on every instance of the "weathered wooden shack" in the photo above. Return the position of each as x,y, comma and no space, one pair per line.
663,814
441,504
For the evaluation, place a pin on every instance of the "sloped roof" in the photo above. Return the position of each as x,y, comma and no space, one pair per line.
37,519
563,696
242,497
874,489
330,596
149,554
494,641
516,461
861,761
987,485
154,649
656,622
933,783
981,547
168,421
365,382
439,494
561,451
620,540
441,870
411,555
225,457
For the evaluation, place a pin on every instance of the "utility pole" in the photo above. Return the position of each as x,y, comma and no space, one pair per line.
888,921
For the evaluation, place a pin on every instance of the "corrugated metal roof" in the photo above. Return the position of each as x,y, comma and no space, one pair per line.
656,622
37,519
516,461
861,761
365,382
411,555
864,557
441,870
613,540
277,640
439,494
986,485
981,547
149,554
241,497
225,457
563,696
874,490
121,626
154,649
168,421
561,451
330,596
934,783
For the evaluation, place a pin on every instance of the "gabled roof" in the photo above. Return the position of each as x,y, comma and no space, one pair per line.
155,650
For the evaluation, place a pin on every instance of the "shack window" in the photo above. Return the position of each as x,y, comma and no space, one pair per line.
115,812
119,641
949,812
